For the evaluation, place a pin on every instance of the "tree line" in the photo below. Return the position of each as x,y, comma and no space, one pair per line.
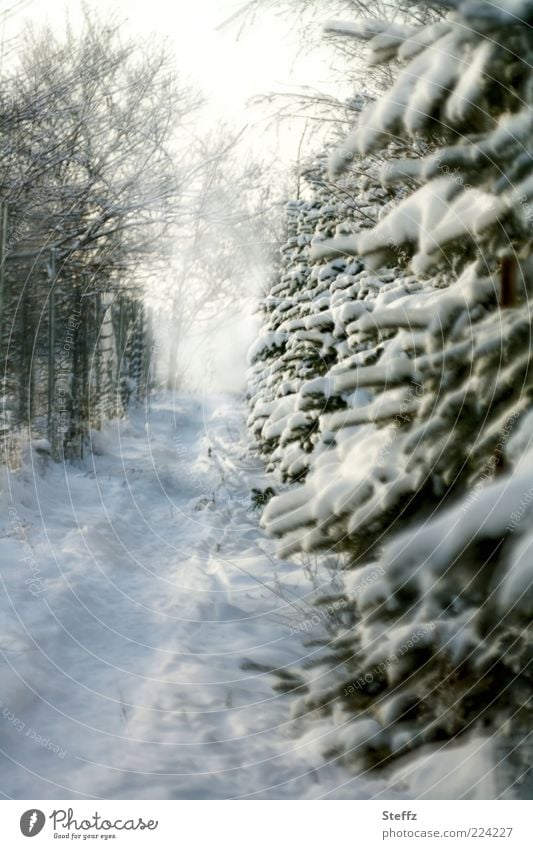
89,184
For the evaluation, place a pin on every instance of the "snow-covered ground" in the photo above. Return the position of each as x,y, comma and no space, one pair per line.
142,610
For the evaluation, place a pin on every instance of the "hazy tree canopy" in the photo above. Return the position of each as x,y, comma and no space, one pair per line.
391,385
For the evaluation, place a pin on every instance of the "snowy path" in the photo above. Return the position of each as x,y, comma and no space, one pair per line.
137,590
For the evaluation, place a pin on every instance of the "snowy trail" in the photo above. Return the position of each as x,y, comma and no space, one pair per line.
142,610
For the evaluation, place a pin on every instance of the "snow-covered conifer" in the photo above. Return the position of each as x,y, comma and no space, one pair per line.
422,473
